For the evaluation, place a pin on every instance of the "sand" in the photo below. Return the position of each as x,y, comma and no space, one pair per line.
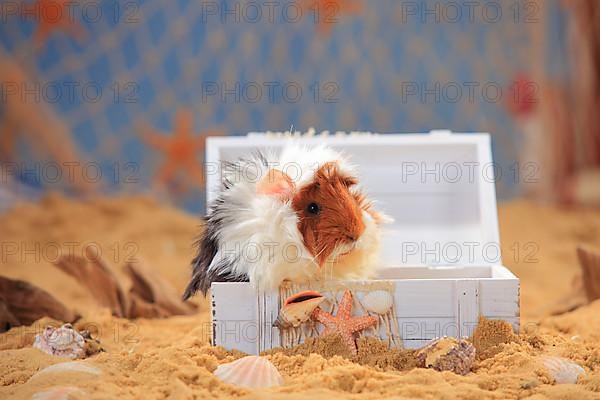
171,358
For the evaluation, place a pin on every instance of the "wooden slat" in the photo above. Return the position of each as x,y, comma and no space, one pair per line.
235,316
424,298
466,295
499,298
270,334
412,328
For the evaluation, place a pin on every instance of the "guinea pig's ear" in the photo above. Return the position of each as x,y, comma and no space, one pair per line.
276,183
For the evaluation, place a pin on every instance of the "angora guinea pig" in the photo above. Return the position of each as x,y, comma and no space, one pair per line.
298,216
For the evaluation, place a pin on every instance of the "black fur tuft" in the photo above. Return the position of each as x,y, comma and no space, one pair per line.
208,243
207,249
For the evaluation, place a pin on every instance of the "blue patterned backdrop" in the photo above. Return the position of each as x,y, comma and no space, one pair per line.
147,72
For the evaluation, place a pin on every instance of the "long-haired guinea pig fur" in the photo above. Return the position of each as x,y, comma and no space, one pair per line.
299,216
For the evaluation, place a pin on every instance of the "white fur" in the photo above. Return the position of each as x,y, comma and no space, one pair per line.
301,162
263,229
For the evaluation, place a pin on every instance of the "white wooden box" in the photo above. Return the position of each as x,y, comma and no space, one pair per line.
440,258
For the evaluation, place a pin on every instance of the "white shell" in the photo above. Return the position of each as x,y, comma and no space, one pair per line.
378,301
66,367
562,369
63,342
251,372
58,393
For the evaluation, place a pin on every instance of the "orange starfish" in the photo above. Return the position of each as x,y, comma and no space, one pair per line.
344,323
326,13
180,150
56,15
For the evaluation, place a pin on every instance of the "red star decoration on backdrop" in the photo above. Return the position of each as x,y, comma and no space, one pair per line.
344,323
327,13
56,15
180,152
522,100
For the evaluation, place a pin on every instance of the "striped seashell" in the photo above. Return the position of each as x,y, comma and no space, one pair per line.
68,367
378,301
58,393
562,370
250,372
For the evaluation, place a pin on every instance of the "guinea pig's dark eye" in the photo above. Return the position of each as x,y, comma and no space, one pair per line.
313,208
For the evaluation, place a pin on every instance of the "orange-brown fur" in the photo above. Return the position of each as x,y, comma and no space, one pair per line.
340,218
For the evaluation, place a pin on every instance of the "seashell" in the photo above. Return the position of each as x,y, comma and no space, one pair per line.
58,393
378,301
298,308
63,342
562,370
68,367
447,354
250,372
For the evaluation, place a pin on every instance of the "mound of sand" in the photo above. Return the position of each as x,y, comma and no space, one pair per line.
171,358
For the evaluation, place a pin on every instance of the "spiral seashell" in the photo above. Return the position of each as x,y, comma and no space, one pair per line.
378,301
250,372
562,370
63,342
298,308
447,354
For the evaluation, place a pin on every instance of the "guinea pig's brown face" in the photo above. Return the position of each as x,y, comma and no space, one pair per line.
330,213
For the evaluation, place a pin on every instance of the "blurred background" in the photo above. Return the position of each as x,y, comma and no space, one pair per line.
114,97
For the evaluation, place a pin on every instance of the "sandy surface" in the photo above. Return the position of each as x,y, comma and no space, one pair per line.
170,358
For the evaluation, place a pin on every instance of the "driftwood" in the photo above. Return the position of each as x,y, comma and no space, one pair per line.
7,319
22,303
150,295
96,276
589,261
586,287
